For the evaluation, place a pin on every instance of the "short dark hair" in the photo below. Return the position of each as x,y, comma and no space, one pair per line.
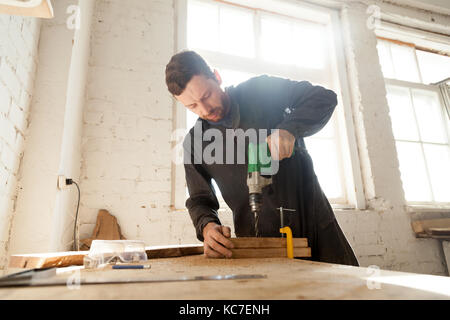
182,67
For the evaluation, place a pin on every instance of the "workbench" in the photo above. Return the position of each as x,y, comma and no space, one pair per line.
286,279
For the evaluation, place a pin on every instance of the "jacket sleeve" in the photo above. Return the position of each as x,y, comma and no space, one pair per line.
307,108
202,203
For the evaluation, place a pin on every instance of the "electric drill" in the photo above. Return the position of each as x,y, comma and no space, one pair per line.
258,160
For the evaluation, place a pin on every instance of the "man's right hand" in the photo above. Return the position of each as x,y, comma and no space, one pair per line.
215,243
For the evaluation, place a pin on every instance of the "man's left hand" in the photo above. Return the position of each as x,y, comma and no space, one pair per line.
282,147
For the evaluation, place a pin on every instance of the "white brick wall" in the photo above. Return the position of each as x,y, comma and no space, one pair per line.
381,235
18,44
126,156
128,121
32,226
126,152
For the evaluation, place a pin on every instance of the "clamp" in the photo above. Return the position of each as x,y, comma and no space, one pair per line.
288,232
289,242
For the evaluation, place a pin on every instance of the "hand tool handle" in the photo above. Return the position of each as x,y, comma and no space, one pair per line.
289,242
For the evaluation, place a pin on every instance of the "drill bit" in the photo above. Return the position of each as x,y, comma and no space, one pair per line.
255,207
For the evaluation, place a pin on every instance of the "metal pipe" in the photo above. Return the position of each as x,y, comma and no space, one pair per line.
70,158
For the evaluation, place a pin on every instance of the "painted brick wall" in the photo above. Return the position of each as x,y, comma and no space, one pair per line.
128,119
18,59
33,215
126,150
382,234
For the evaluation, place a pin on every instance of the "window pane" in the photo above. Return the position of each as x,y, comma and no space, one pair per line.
276,40
233,77
218,194
203,26
327,131
236,32
299,43
413,172
190,118
433,67
217,190
308,46
385,59
429,116
405,65
402,115
438,161
325,159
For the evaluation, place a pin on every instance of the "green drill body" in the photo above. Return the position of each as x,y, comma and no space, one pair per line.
258,159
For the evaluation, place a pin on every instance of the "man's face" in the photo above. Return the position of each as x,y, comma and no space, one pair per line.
205,98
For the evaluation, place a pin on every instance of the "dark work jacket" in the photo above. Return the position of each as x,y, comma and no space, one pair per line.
269,103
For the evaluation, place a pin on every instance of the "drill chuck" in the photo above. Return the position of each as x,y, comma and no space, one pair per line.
255,202
255,180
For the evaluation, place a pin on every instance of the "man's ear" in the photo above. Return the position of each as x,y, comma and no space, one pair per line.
218,77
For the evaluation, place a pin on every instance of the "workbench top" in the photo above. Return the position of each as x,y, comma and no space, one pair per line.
286,279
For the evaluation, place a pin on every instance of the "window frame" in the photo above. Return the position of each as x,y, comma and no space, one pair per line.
350,172
429,88
415,38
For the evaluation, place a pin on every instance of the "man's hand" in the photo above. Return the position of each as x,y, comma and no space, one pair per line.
215,243
282,147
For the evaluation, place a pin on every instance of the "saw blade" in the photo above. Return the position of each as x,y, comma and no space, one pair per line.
104,279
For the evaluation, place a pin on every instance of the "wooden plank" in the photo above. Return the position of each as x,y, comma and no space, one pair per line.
423,228
440,231
287,279
75,258
269,253
418,227
173,251
45,260
253,242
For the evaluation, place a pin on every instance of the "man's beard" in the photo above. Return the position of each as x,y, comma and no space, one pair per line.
220,111
226,105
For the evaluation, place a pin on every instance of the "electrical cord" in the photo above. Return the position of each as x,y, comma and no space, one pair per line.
75,242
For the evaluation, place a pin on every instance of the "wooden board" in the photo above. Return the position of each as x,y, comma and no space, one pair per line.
173,251
45,260
269,253
249,242
440,231
286,279
424,228
75,258
244,248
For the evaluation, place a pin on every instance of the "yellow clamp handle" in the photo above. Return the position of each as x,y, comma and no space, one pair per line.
289,242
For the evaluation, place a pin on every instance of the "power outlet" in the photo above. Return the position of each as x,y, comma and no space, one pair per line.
62,182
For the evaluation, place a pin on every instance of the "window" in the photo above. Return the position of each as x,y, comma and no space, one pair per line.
419,119
402,61
241,42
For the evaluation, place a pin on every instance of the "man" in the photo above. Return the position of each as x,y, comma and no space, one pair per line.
293,110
